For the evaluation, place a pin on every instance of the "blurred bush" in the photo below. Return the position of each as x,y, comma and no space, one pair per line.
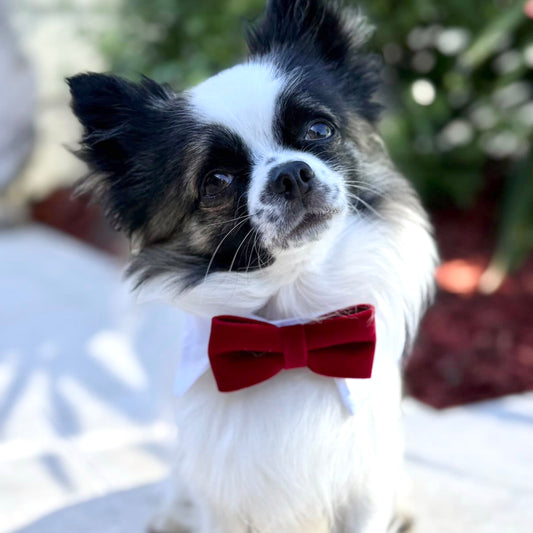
459,74
180,42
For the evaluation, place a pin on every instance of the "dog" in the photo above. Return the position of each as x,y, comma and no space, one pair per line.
267,192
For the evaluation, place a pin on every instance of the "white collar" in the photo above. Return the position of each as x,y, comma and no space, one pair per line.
194,362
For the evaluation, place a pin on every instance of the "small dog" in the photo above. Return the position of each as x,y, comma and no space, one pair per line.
266,191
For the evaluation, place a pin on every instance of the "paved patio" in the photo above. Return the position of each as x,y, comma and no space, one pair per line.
86,423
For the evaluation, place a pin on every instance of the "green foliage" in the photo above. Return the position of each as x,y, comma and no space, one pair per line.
516,235
459,84
180,42
477,58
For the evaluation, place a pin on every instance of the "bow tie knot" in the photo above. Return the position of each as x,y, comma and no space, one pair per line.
244,352
294,346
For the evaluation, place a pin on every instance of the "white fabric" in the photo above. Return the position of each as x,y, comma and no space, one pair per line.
194,361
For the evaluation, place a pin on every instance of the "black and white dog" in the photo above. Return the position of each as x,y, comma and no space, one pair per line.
267,191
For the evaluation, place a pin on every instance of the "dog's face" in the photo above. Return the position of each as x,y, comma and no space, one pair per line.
265,158
278,176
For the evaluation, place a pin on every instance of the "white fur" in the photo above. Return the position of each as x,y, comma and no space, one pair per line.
231,99
287,451
285,456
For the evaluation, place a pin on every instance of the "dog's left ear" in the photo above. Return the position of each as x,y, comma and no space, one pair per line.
302,33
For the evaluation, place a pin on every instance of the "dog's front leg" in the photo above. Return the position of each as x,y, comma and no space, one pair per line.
372,507
212,520
315,526
184,516
219,522
367,521
179,512
215,523
382,516
187,512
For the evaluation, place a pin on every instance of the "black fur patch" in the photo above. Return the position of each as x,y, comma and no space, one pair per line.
323,36
215,235
129,130
304,102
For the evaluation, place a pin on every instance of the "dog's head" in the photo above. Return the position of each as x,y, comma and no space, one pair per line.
265,159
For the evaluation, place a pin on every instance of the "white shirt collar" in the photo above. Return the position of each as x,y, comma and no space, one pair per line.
194,362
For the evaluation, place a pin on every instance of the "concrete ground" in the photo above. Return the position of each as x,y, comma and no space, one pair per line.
85,410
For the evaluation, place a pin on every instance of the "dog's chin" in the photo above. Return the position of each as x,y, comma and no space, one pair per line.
309,227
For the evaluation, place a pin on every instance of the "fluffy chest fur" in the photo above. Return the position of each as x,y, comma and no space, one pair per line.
288,449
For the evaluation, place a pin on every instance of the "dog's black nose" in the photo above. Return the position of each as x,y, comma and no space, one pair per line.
291,180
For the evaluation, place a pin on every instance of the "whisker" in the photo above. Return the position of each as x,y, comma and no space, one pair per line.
220,244
363,184
255,249
223,222
238,249
368,206
251,255
258,251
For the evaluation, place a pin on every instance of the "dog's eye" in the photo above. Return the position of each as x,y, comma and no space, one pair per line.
318,131
216,182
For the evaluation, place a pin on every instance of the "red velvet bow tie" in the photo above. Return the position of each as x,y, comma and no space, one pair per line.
244,352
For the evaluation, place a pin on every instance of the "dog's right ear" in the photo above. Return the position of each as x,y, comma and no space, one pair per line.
301,33
118,119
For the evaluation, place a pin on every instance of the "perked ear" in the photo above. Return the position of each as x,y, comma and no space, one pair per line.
298,33
117,117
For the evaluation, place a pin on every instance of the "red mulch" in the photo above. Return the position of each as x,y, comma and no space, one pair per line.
474,346
471,346
75,216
